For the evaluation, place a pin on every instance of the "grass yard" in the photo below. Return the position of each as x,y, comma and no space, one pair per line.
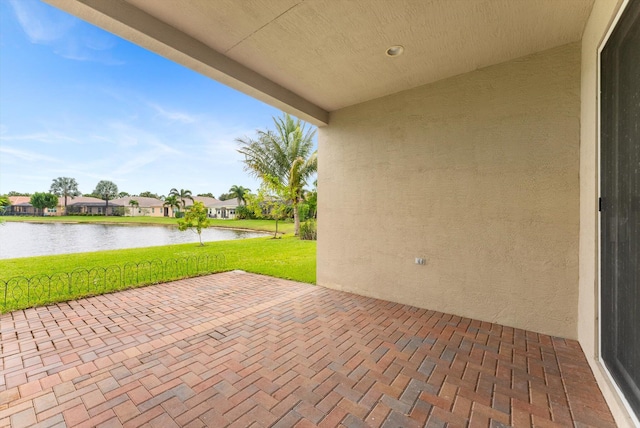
288,258
261,225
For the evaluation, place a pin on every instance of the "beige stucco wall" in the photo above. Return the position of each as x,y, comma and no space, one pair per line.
600,20
479,175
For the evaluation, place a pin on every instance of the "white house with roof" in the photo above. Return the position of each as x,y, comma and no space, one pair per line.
143,206
223,209
215,207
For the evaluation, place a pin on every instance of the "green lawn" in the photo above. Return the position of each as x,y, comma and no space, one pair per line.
288,258
262,225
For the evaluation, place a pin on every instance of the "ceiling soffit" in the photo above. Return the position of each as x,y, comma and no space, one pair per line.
315,56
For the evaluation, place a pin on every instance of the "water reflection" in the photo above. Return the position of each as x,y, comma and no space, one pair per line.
34,239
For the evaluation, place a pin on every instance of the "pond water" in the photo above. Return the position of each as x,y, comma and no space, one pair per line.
38,239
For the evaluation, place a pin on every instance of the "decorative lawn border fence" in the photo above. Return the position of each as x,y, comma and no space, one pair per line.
21,292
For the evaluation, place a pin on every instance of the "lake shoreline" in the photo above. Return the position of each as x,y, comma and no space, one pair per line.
266,226
34,238
115,223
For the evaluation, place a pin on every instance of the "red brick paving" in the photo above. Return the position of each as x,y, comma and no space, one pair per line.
238,349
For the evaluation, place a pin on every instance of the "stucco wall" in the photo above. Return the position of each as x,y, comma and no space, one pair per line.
479,175
600,20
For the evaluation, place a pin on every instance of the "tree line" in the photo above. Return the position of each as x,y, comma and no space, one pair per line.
67,187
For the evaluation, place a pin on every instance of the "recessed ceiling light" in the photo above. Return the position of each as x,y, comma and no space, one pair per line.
395,50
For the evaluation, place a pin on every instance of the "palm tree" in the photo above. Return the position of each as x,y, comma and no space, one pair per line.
172,202
64,187
285,155
133,204
107,190
239,193
183,195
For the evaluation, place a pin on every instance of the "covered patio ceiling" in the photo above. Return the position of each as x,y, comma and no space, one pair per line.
316,56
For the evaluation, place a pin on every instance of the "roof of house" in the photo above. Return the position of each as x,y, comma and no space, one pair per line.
229,203
84,200
143,202
17,200
97,204
204,199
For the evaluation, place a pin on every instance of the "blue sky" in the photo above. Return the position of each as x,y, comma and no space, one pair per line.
79,102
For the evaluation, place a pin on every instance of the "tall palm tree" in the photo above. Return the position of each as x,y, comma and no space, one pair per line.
182,195
285,154
107,190
240,193
64,187
172,202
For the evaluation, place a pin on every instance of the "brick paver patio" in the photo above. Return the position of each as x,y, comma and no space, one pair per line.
246,350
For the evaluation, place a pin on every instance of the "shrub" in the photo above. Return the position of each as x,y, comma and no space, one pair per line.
309,230
244,213
303,211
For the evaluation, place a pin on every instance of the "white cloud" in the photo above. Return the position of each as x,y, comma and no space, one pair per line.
151,154
61,32
128,135
222,151
42,137
72,171
173,115
218,141
37,24
135,164
26,155
129,149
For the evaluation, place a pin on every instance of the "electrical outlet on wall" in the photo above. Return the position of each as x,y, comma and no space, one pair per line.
421,261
